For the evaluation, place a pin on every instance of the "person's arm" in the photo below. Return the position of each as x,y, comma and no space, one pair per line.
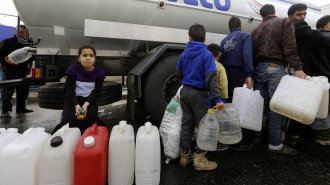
248,59
289,46
70,90
178,71
303,31
4,51
223,82
96,93
211,81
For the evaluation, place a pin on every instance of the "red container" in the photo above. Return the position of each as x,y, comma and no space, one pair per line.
91,157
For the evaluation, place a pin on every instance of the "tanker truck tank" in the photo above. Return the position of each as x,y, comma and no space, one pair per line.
140,39
48,19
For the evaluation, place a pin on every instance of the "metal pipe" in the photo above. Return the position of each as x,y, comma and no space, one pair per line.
26,42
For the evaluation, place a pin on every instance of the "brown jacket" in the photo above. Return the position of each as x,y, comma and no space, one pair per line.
274,41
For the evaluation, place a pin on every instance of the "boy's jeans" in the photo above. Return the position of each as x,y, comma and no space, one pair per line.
267,76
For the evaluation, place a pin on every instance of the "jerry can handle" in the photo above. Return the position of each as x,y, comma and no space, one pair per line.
93,129
65,129
122,126
148,127
23,136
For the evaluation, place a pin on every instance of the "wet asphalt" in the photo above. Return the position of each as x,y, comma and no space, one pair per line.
311,166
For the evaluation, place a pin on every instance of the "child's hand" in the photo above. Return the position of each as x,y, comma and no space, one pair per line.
85,106
221,106
78,112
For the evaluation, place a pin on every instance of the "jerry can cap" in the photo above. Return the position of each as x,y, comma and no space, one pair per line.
56,141
89,141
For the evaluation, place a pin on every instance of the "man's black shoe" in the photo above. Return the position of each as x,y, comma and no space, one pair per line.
24,111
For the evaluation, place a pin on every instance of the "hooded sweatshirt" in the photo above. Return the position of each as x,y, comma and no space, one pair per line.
197,69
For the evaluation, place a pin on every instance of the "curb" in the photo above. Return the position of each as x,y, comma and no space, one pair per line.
33,96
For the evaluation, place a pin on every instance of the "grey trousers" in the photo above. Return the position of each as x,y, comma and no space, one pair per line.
194,104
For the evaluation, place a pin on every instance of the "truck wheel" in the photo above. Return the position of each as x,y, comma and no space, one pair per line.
52,96
160,85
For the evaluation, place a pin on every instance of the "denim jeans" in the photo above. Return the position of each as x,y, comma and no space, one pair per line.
266,79
321,124
22,92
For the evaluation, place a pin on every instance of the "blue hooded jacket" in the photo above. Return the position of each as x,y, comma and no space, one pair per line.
198,69
237,51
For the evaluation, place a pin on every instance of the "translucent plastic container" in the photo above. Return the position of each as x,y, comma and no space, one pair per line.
322,81
249,105
19,159
7,136
147,155
229,128
20,55
208,132
297,98
56,157
170,128
121,155
91,157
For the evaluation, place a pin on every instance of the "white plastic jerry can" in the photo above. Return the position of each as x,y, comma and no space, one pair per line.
208,131
19,159
249,105
121,155
322,81
297,98
2,130
147,168
7,136
56,157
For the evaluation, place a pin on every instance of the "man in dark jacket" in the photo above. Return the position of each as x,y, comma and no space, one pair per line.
237,58
14,71
306,38
274,46
320,55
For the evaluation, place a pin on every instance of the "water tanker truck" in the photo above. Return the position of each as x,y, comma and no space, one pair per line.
140,39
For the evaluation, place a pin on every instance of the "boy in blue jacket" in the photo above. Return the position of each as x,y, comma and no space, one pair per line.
198,72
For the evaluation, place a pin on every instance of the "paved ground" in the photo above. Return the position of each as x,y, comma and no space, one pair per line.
311,166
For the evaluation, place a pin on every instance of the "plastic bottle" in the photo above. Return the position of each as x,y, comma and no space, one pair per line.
208,131
147,168
56,157
121,155
229,127
21,55
81,114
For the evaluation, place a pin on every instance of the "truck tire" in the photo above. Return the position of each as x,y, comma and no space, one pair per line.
52,96
160,85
